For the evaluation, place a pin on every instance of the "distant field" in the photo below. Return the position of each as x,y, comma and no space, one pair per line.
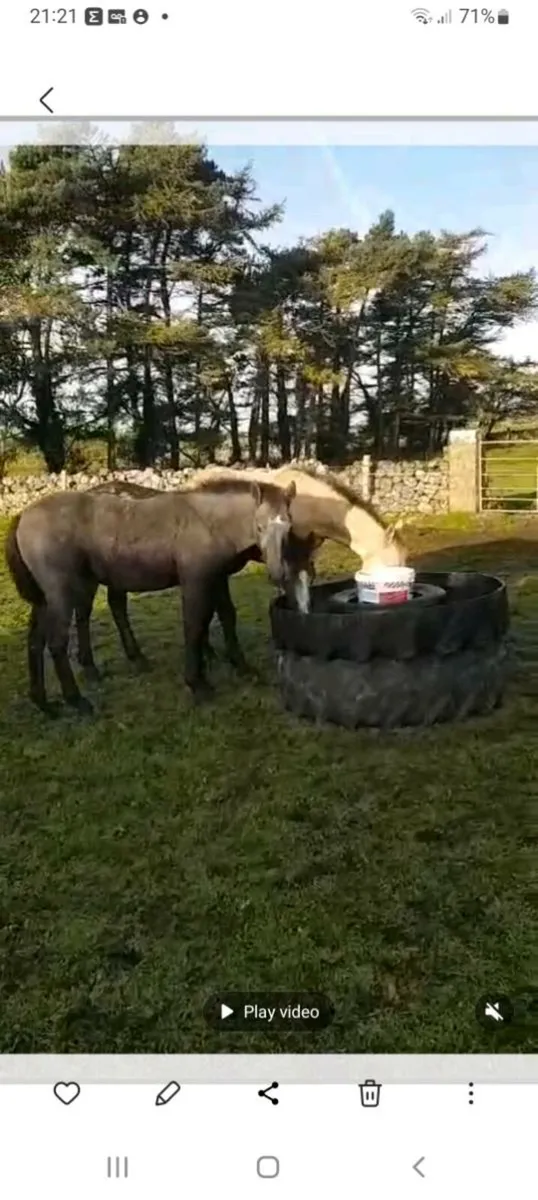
510,475
90,455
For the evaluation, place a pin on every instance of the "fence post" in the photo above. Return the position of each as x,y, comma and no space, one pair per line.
366,476
63,480
464,484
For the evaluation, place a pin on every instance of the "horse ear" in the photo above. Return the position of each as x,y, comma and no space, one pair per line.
256,492
291,491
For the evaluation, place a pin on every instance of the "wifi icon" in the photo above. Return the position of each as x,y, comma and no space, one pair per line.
423,15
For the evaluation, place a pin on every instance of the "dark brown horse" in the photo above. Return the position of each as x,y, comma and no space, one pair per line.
62,547
298,555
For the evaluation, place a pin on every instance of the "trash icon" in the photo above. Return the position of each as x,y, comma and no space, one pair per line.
370,1093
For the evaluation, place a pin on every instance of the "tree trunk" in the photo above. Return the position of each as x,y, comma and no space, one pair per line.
254,428
311,407
300,414
336,433
111,455
262,396
283,423
49,429
147,439
147,443
172,431
198,398
234,425
132,384
345,414
173,441
321,433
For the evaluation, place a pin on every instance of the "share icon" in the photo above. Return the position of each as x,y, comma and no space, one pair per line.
265,1092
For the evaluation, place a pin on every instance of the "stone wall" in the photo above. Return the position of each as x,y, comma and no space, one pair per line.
394,487
411,486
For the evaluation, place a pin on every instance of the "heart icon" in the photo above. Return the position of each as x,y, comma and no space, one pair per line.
66,1092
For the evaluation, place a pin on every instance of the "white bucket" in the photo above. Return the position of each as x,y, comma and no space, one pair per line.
386,585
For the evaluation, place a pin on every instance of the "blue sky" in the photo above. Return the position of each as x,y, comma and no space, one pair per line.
457,188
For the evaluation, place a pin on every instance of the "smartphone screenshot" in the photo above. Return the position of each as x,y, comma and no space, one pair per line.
268,600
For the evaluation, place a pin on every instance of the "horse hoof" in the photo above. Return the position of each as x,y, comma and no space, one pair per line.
82,706
50,708
243,668
142,665
202,693
92,674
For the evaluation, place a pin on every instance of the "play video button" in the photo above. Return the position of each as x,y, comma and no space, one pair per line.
263,1011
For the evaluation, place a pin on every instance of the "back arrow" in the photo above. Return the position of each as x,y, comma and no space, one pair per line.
44,97
416,1167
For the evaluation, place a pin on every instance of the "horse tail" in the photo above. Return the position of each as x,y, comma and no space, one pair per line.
22,577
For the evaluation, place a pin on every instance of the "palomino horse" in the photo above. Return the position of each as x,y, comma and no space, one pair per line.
325,508
299,573
64,545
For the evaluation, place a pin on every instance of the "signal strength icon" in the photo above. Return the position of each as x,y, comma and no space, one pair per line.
423,15
447,19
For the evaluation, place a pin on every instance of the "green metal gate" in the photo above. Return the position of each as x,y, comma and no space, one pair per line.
508,475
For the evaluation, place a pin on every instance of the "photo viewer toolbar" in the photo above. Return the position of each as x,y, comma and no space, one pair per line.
368,1138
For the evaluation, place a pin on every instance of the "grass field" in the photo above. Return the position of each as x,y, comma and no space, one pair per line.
156,854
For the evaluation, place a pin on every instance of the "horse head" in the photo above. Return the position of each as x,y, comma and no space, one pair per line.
390,552
300,569
288,558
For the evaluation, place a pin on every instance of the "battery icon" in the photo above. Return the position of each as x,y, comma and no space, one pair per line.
502,16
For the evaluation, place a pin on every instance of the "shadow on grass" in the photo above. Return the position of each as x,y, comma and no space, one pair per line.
158,854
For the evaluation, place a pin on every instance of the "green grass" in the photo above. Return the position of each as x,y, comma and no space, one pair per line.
156,854
87,455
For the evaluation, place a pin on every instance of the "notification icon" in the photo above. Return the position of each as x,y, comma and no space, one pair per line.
93,16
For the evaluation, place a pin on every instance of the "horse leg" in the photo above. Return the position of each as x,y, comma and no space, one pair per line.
198,608
83,613
36,661
57,623
117,603
225,610
210,654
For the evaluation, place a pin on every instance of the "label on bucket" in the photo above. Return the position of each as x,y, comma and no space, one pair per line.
383,593
385,596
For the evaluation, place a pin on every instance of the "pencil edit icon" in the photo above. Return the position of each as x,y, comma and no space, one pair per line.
167,1094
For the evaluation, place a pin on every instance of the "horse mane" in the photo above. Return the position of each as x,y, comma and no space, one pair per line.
225,483
344,490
